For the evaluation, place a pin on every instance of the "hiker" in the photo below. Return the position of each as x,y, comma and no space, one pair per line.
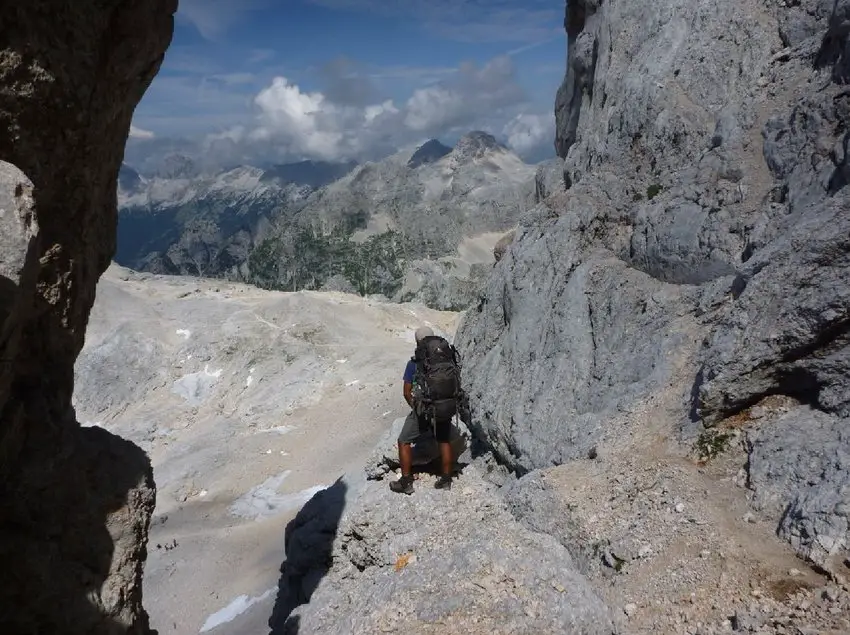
432,390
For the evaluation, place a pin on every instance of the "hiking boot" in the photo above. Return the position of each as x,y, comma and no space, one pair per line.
404,485
443,482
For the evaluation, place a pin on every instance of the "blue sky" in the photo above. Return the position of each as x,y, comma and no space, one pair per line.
279,80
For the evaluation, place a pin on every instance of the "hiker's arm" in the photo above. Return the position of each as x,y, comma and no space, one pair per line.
408,393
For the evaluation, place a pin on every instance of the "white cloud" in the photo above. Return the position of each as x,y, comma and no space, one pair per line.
306,123
139,133
472,94
336,120
295,122
527,133
371,113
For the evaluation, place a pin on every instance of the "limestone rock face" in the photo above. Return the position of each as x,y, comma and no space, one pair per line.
76,503
503,244
699,256
436,284
435,562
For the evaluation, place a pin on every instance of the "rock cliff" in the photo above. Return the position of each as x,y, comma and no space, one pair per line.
76,503
700,251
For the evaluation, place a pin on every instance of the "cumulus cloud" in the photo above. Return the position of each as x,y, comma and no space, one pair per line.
343,81
471,94
528,134
295,123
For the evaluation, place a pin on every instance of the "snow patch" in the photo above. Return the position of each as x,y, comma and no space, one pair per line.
248,381
184,332
278,429
196,387
264,501
353,382
233,610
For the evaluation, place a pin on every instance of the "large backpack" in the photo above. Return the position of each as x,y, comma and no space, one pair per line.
438,376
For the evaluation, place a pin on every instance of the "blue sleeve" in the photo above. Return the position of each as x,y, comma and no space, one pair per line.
408,371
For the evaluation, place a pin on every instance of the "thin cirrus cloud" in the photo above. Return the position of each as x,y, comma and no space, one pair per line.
212,18
475,21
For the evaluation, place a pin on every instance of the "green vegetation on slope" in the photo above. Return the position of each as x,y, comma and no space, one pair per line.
306,258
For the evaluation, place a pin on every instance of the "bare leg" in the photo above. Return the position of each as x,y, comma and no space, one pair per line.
404,485
405,457
444,481
446,458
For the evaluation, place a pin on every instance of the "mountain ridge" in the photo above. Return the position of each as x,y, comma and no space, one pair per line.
243,223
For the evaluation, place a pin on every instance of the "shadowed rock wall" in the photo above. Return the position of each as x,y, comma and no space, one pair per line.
75,503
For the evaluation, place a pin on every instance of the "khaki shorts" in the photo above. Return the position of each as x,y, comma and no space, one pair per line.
413,428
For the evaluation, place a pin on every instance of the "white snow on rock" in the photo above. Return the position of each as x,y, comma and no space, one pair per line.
278,429
184,332
233,610
196,387
264,501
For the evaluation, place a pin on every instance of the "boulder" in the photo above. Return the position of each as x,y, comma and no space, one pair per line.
340,283
435,285
799,471
503,244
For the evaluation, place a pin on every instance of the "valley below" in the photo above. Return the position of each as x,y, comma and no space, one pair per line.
268,418
248,402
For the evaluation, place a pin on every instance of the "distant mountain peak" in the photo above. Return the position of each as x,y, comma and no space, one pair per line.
429,152
476,144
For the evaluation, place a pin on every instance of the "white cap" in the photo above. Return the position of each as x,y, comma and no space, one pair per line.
422,332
